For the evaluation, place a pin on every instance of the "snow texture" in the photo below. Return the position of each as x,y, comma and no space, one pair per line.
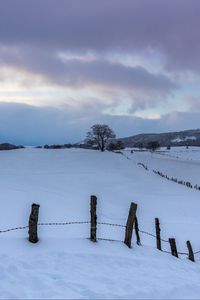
183,139
64,263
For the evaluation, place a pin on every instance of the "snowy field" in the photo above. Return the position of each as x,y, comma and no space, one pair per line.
64,264
178,162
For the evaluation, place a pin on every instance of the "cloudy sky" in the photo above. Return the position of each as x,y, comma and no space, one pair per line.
65,65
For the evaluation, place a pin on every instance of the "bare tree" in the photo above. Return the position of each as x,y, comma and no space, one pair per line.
119,145
99,135
154,145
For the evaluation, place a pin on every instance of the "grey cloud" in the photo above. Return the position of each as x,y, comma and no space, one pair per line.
193,103
172,27
78,73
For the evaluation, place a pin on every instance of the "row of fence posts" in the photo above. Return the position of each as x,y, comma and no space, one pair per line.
132,219
131,223
172,243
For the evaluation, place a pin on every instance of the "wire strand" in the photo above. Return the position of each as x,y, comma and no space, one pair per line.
88,222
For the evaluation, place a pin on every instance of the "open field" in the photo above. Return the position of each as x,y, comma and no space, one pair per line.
64,264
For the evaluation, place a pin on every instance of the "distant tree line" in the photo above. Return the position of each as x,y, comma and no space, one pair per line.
7,146
102,137
154,145
65,146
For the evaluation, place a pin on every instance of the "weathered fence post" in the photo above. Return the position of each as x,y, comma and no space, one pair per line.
130,223
174,251
137,232
33,221
158,239
191,253
93,206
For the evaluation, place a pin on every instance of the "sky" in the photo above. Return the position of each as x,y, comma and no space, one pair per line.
66,65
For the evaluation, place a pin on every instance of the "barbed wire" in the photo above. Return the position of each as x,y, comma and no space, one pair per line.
151,234
144,232
111,224
99,238
14,228
181,253
63,223
44,224
109,240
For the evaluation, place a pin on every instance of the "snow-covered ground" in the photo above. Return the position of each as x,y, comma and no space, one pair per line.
186,138
177,162
182,153
64,264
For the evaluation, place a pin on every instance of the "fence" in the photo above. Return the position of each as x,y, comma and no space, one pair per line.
182,182
176,180
131,225
186,183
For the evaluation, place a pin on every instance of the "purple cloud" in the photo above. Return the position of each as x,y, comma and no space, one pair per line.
129,26
74,72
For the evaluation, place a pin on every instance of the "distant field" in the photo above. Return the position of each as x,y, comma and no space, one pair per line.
177,162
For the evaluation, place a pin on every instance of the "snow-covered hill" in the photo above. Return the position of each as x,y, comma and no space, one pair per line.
180,138
64,264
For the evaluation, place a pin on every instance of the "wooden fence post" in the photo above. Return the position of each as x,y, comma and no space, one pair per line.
93,229
129,224
174,251
158,239
137,232
191,253
33,221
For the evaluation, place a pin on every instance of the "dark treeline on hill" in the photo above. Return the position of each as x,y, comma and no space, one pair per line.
65,146
7,146
110,147
168,139
180,138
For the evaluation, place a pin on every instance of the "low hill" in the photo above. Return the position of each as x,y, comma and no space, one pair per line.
7,146
180,138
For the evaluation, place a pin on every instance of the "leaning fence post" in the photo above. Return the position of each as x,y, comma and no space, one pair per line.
137,232
158,239
174,251
130,223
191,253
93,229
33,221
